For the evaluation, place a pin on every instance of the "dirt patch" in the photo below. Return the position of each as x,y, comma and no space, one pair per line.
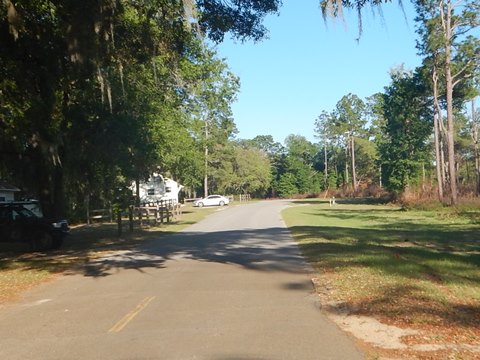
371,330
382,340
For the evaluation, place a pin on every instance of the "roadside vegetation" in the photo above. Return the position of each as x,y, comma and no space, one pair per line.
412,268
143,91
21,270
95,98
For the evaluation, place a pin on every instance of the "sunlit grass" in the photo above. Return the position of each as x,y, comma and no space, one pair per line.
415,266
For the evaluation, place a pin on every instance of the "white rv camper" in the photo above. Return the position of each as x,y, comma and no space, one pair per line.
158,188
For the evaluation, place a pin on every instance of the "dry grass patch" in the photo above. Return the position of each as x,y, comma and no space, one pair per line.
410,269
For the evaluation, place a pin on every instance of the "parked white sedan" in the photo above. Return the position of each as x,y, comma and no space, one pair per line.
212,200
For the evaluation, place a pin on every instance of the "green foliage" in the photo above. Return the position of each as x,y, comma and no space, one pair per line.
366,160
297,175
336,8
406,109
276,155
349,115
246,171
332,181
94,93
452,52
242,18
287,185
395,150
347,147
267,145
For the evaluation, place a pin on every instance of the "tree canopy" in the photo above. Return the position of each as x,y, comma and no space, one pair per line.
95,94
99,93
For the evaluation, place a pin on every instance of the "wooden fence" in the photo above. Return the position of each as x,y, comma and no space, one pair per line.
100,215
159,212
244,197
147,214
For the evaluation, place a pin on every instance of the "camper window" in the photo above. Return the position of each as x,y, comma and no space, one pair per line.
151,191
168,189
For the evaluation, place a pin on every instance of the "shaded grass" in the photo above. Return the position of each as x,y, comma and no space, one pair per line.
20,270
410,268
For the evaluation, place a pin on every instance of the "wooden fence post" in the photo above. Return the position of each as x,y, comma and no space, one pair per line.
162,208
168,211
130,218
119,222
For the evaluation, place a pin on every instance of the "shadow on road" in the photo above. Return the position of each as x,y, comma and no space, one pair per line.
265,250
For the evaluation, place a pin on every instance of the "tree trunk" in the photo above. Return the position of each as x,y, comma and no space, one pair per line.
476,149
326,163
449,97
436,134
205,179
380,181
439,159
424,178
354,172
346,181
137,191
59,210
87,204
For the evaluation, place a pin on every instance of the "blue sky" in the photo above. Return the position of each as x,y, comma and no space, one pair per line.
307,65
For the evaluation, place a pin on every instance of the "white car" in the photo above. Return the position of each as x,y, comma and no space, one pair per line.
212,200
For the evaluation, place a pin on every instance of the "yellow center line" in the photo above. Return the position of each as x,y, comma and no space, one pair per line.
129,317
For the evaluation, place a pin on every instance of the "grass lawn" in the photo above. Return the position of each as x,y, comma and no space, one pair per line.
416,269
20,270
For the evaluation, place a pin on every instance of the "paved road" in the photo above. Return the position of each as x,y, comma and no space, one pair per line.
232,287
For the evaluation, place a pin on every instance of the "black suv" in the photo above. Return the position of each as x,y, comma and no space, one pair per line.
19,224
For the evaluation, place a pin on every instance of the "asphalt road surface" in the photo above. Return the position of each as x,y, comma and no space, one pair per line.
232,287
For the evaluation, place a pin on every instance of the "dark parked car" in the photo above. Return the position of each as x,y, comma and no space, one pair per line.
18,224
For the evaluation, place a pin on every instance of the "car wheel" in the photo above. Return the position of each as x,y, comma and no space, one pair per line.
200,204
41,240
57,243
222,203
